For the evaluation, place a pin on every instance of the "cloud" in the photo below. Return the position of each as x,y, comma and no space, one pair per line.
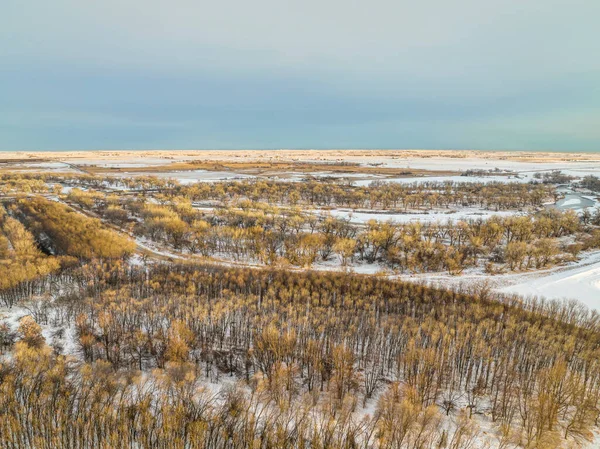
295,74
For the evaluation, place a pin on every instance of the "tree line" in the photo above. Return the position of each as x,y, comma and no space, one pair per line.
420,194
268,234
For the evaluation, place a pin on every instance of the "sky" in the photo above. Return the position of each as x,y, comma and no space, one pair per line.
185,74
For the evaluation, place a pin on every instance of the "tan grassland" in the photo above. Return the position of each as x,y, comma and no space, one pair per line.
265,162
284,155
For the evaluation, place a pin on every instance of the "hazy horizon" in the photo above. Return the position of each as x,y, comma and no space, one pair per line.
498,75
58,150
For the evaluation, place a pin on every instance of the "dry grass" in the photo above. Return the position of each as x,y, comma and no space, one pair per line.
290,155
266,163
271,168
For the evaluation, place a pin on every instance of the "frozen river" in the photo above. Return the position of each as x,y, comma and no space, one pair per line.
575,201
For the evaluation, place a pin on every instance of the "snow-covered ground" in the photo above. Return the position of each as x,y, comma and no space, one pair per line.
441,216
118,161
521,171
579,281
191,176
54,333
575,168
334,264
454,179
48,167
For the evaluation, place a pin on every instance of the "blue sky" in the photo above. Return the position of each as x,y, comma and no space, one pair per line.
133,74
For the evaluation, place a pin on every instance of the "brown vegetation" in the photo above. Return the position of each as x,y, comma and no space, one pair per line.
24,269
311,347
302,359
72,233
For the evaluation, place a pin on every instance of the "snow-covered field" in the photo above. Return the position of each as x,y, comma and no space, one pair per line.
191,176
522,172
438,216
575,168
579,281
48,167
454,179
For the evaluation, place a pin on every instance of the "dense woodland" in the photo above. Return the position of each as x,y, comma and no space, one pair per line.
23,267
56,237
309,351
69,232
116,348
